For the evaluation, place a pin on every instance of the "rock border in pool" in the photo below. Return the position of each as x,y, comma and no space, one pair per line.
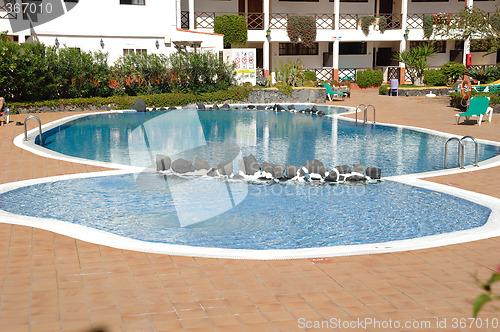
250,169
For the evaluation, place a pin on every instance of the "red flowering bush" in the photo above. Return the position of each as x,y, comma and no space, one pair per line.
303,28
441,18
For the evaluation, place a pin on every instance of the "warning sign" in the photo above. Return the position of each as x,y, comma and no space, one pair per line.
244,60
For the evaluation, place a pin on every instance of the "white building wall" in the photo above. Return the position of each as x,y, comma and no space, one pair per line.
119,26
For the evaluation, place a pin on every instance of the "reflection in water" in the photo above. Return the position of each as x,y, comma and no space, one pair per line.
277,137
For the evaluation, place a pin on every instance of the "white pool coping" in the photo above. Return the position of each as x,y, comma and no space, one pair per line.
88,234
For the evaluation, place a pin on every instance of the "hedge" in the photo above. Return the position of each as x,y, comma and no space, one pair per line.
494,96
369,78
158,100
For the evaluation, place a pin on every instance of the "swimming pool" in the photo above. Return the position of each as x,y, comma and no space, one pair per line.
153,210
276,137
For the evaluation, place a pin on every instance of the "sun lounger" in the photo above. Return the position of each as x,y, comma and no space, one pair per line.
330,93
478,107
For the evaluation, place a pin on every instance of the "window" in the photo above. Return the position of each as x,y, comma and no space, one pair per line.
352,48
440,45
298,49
127,51
132,2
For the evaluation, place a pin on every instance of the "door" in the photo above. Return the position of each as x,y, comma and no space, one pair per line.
384,56
385,9
254,15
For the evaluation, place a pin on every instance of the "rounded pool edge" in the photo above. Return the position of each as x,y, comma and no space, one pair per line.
489,230
98,237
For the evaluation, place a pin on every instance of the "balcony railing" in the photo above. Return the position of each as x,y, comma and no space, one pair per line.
206,20
352,21
5,12
184,19
323,21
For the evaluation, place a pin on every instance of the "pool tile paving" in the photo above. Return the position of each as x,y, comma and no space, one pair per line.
50,282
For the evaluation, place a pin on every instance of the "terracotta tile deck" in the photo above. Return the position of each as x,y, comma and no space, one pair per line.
50,282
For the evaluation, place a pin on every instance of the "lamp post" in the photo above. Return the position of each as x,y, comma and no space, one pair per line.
57,43
102,43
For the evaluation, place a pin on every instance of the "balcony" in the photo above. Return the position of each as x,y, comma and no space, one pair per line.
352,21
323,21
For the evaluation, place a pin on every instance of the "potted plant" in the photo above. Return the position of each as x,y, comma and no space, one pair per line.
366,21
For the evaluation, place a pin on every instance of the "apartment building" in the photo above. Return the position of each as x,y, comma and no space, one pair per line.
341,47
164,26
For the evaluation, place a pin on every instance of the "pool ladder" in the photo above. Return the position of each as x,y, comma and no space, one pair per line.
39,128
461,159
365,113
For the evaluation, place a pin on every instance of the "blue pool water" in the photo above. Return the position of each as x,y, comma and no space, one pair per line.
270,216
276,137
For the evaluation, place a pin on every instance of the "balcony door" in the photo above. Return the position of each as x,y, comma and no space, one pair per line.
252,10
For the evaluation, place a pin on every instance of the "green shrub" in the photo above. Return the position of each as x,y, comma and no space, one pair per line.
435,77
369,78
428,26
382,90
309,75
453,71
34,72
233,27
483,74
199,72
158,100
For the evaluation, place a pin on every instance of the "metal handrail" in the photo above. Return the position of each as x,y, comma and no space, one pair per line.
365,113
460,150
366,110
39,128
476,150
357,108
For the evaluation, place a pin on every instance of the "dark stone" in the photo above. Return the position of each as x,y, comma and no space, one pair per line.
251,107
162,162
307,110
276,170
315,166
215,107
356,178
238,177
249,165
212,172
200,164
333,176
139,105
373,172
358,168
321,113
225,106
182,166
261,108
314,109
200,106
291,107
171,108
291,171
302,172
154,109
280,108
344,169
225,168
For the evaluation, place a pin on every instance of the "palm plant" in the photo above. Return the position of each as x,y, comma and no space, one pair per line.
415,61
